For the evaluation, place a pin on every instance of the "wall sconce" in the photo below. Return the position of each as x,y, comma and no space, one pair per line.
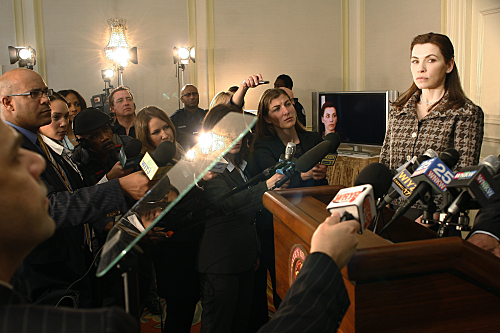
25,55
118,51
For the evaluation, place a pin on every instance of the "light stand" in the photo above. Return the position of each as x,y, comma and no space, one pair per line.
182,56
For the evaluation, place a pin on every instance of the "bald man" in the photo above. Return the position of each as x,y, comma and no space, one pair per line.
188,120
54,272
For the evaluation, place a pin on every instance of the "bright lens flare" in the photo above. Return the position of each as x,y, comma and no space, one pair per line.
109,73
190,155
24,54
183,53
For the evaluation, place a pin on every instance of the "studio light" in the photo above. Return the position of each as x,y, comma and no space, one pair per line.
107,73
183,55
25,55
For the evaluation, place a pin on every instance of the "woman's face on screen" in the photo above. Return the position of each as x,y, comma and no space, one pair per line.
329,119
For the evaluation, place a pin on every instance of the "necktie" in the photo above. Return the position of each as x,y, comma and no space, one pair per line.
62,175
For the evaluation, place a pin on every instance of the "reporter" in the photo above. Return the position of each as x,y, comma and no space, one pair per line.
228,248
20,176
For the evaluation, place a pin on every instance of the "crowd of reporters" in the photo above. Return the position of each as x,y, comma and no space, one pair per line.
225,252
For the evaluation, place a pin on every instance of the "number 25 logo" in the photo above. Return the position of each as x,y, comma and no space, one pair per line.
443,173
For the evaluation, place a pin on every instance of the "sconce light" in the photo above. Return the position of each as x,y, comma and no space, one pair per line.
25,55
118,51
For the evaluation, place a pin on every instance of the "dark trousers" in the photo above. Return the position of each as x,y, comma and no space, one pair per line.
226,301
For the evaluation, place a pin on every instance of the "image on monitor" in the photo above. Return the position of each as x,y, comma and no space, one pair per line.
358,117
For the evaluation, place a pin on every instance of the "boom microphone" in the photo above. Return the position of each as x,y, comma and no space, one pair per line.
156,166
306,162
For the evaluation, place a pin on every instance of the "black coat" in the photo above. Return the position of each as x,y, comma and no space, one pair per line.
267,151
229,243
56,263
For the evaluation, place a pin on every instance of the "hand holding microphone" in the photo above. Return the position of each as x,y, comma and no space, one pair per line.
307,161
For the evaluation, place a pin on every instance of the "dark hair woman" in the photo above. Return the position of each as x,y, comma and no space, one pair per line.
228,248
434,112
76,103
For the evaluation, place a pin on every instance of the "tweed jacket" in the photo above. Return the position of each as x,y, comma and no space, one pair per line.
441,129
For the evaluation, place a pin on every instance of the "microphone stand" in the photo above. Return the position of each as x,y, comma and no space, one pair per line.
129,273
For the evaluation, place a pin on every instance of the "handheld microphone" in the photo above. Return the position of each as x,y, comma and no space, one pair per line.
477,186
358,202
290,150
402,184
156,166
431,177
330,158
130,155
306,162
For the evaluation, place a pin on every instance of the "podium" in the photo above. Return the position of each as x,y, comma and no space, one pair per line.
413,283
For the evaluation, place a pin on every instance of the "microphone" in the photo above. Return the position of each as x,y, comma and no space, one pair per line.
156,166
330,158
431,177
306,162
290,150
358,202
402,184
477,186
130,155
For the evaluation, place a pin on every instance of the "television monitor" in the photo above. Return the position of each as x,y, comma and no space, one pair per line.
361,115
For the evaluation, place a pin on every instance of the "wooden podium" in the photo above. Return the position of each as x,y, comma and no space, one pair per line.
417,284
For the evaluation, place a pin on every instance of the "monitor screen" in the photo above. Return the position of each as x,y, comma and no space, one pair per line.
359,117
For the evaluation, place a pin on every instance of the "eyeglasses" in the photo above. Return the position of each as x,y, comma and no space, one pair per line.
36,94
194,94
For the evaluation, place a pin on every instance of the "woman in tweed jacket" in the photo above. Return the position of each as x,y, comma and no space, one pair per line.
434,113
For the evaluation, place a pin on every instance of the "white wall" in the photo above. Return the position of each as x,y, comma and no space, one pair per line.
298,38
7,35
390,27
76,33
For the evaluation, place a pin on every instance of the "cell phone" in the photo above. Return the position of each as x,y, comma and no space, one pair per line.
263,82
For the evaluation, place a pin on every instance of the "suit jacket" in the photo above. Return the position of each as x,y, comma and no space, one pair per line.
56,263
267,152
316,302
229,242
18,317
488,219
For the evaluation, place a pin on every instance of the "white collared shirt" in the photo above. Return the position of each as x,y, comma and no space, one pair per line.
243,165
61,151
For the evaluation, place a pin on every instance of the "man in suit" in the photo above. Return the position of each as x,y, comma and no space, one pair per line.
317,301
48,273
25,223
486,230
